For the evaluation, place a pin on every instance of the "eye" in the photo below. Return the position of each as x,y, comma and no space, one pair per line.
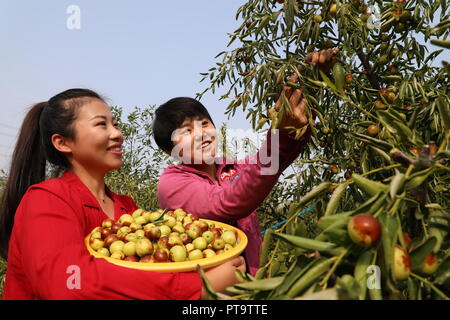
116,124
205,122
102,123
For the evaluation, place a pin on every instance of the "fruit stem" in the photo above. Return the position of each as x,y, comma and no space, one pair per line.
327,161
428,283
274,251
443,145
424,228
395,205
324,282
400,232
439,165
378,212
381,169
408,172
349,101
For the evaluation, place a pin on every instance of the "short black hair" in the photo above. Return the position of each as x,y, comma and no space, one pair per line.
171,115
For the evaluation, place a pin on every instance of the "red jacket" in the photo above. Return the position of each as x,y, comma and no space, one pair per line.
47,258
242,187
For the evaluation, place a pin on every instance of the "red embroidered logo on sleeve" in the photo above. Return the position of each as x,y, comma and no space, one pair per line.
229,176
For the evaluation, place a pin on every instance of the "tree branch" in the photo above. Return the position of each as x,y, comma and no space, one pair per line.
371,76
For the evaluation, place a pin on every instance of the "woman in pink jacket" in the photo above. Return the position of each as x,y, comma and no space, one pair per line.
219,189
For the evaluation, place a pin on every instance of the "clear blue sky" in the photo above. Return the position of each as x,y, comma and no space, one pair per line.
136,53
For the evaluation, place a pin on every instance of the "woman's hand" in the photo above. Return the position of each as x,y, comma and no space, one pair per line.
324,60
223,276
298,118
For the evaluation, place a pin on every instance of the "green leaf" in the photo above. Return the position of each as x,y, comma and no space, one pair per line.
439,225
310,276
212,294
310,244
338,234
360,272
443,271
396,185
413,289
275,16
372,205
262,24
376,142
389,228
395,126
297,270
263,284
441,43
314,193
370,187
444,111
348,288
335,199
418,178
327,80
289,14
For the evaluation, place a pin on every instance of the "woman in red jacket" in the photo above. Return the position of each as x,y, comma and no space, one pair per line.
43,223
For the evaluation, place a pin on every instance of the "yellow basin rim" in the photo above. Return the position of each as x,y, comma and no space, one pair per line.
184,266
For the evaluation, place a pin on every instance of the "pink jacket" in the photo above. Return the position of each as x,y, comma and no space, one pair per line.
241,189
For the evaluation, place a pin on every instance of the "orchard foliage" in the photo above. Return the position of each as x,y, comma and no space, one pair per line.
380,142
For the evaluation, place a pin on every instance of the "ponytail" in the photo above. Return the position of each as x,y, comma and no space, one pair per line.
34,148
27,168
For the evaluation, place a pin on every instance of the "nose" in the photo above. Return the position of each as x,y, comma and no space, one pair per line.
117,135
202,135
199,133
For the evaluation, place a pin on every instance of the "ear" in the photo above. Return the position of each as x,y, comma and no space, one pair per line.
61,143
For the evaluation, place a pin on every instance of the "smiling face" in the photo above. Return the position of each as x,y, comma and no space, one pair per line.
98,140
195,141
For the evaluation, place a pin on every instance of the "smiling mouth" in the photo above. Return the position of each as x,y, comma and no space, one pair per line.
205,144
115,149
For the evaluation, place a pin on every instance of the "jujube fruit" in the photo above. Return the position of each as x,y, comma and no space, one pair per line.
178,253
143,247
161,255
401,268
116,246
364,230
373,130
429,265
229,237
195,254
200,243
131,259
129,249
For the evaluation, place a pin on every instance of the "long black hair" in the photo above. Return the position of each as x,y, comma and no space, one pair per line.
34,148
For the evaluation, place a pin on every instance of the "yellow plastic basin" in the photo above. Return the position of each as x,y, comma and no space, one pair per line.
184,266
